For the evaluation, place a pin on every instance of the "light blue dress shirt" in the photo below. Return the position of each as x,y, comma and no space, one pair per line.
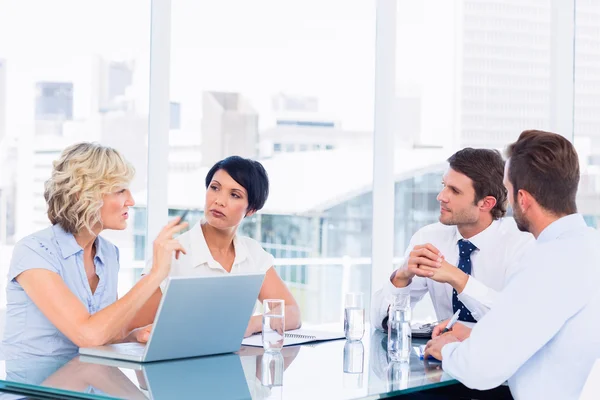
28,332
542,333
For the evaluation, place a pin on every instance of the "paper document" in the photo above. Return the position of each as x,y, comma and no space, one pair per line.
297,336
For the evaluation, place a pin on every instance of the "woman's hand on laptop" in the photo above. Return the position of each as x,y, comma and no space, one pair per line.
164,246
140,335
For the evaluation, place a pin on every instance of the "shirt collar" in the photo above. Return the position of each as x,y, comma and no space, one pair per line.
241,251
69,246
483,238
561,226
201,253
99,243
66,242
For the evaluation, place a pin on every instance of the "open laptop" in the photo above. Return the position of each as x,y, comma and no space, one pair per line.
213,377
197,316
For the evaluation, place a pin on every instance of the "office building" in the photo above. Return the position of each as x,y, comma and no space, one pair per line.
54,101
111,82
587,78
229,127
175,116
3,98
296,125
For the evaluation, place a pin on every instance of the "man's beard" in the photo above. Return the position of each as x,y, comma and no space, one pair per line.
461,217
520,219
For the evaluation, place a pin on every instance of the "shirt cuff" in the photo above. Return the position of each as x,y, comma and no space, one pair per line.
391,290
447,351
474,289
476,297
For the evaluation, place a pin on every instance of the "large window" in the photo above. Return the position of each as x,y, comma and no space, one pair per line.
476,73
70,71
291,84
587,96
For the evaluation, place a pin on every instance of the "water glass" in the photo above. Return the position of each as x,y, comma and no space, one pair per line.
271,369
398,375
271,374
354,316
354,356
273,324
399,330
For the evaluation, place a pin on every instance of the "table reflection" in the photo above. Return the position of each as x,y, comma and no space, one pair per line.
265,370
333,369
219,377
397,376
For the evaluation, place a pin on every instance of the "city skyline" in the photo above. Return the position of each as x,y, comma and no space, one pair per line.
301,75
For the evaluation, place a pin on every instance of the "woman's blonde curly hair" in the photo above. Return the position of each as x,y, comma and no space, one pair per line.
83,174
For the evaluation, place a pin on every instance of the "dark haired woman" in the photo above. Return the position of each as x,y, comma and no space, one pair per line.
236,188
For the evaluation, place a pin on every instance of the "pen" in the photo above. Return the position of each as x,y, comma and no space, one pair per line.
452,322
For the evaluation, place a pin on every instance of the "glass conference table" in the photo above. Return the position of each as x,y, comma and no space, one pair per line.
334,369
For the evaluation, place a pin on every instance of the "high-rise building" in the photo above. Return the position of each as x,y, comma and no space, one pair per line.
298,125
175,120
8,164
3,90
229,127
112,79
128,133
284,102
54,101
587,75
505,78
487,73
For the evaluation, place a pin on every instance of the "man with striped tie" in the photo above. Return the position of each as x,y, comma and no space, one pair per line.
464,260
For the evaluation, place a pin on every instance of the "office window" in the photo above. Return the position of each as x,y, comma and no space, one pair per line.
266,75
501,83
587,119
70,71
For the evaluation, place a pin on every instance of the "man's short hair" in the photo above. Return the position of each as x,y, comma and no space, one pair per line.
546,165
485,167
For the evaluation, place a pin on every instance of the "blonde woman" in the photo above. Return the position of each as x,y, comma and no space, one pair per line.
62,280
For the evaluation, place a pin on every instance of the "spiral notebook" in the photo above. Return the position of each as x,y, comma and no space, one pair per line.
297,336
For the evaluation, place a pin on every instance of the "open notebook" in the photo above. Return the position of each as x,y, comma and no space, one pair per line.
297,336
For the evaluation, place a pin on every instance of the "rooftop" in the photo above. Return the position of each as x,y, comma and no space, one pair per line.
308,182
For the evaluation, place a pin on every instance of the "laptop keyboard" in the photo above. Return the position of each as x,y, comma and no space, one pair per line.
134,349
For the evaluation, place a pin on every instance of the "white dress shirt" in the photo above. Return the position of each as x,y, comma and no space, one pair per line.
499,246
542,333
250,257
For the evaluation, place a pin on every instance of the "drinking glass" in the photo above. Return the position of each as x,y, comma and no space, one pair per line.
273,324
354,316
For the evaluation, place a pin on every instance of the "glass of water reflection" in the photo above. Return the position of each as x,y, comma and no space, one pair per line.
354,316
273,324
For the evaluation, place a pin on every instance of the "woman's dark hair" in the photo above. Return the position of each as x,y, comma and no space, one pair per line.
248,173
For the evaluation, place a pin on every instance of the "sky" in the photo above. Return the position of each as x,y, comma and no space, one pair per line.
314,48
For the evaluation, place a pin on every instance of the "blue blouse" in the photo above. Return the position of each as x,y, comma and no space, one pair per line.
28,332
